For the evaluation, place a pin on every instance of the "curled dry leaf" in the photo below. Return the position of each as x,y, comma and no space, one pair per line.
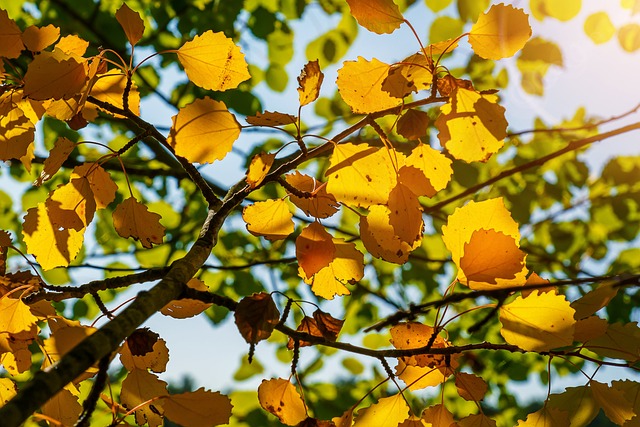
256,317
309,83
271,118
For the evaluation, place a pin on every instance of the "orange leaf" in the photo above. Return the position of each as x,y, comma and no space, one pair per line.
15,316
139,388
500,32
405,214
103,187
256,317
534,279
200,408
309,83
10,37
386,412
132,219
259,168
203,131
307,325
438,416
131,23
271,118
72,206
57,156
379,237
321,204
471,387
314,249
378,16
590,328
477,420
64,407
54,76
360,85
39,38
413,124
212,61
328,325
185,307
281,398
109,87
426,171
270,219
156,360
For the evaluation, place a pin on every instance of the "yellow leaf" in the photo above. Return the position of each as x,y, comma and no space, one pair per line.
412,74
17,133
590,328
386,412
492,259
534,279
156,360
309,83
599,28
271,118
360,85
131,23
361,175
200,408
103,187
500,32
7,390
426,171
413,124
620,341
631,390
477,420
378,16
438,416
64,407
10,37
560,10
72,206
314,249
280,397
132,219
54,76
472,126
471,387
259,168
72,44
546,417
212,61
578,402
203,131
346,420
321,204
405,214
539,322
15,316
629,37
594,300
613,402
39,38
57,156
379,237
270,219
64,338
183,308
139,388
51,246
109,87
540,50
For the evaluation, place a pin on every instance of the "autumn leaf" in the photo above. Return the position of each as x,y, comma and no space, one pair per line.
200,408
590,328
314,249
57,156
259,168
413,124
72,205
10,37
109,87
620,341
17,134
471,387
599,28
212,61
378,16
131,23
155,360
379,236
72,44
360,85
328,325
594,300
138,389
8,389
412,74
546,417
309,83
321,204
405,214
280,397
39,38
270,219
613,402
476,420
578,402
15,316
271,118
203,131
386,412
539,322
54,76
187,307
500,32
64,407
256,317
103,187
132,219
309,326
426,171
438,416
629,37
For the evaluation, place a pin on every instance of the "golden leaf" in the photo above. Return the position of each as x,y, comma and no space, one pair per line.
132,219
578,402
314,249
200,408
7,390
560,10
539,322
500,32
309,83
378,16
472,126
51,246
620,341
345,420
64,338
386,412
212,61
321,204
361,175
412,74
426,171
57,156
139,388
64,407
596,299
17,133
546,417
471,387
259,168
280,397
405,214
360,85
54,76
186,307
629,37
109,87
72,205
103,187
156,360
271,118
613,402
631,390
438,416
10,37
39,38
256,317
379,237
534,279
599,28
203,131
131,23
72,44
270,219
15,316
413,124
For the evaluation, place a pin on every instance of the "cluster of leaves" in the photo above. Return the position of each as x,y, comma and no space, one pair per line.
374,194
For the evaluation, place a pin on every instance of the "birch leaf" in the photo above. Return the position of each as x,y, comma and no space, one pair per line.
378,16
131,23
39,38
386,412
309,83
500,32
271,219
132,219
200,408
280,397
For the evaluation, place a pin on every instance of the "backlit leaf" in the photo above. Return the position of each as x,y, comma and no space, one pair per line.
57,156
386,412
380,239
309,83
132,219
72,44
578,402
109,87
546,417
212,61
256,316
379,16
314,249
271,118
426,171
590,328
476,420
64,407
560,10
103,187
10,37
405,214
309,326
539,49
72,206
280,397
613,402
539,322
131,23
360,85
15,316
39,38
328,325
413,124
139,388
259,168
620,341
321,204
270,219
438,416
186,307
471,387
599,28
156,360
7,390
203,131
500,32
629,37
54,76
412,74
200,408
594,300
17,133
